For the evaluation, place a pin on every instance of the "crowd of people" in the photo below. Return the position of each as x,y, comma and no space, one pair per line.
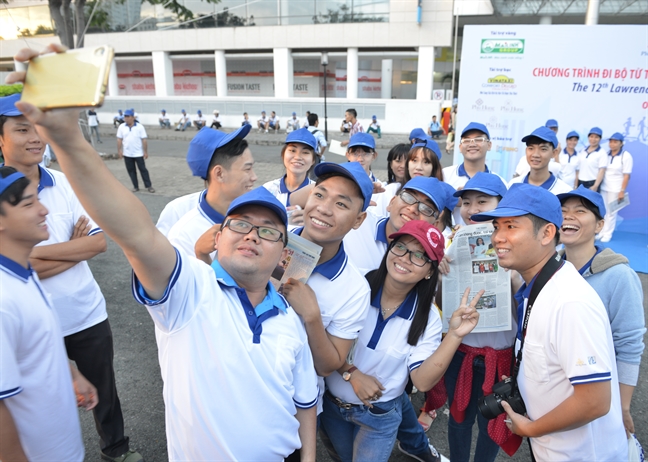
337,355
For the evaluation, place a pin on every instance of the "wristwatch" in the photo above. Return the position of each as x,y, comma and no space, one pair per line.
347,374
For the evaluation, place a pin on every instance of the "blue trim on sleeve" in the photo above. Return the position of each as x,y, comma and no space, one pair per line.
95,231
309,404
9,393
415,365
591,378
142,297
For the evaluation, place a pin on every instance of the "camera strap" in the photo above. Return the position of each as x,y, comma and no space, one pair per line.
548,270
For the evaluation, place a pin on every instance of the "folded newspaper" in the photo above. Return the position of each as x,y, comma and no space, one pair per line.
474,264
617,205
300,260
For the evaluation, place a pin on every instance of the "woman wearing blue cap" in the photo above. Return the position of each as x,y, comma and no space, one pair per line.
298,156
612,279
615,181
424,160
401,338
568,160
591,161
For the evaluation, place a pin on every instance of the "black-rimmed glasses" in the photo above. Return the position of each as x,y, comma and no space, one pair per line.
417,257
244,227
423,208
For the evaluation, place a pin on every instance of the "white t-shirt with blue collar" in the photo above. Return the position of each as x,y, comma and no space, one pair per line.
76,295
343,297
569,165
382,350
222,360
178,208
367,245
186,232
589,163
35,379
553,184
279,189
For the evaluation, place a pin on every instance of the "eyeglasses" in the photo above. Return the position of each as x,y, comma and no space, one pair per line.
360,151
244,227
417,257
422,207
478,141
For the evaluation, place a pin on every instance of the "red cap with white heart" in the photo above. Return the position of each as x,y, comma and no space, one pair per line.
428,235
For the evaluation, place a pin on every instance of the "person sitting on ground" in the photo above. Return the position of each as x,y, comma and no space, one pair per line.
246,120
262,123
184,122
374,127
273,122
200,121
118,119
163,120
292,123
215,120
435,130
613,280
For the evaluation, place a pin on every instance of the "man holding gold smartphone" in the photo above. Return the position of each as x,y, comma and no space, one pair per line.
133,147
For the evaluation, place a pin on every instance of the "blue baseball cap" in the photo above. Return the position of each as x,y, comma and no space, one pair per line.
545,134
596,131
431,187
551,123
199,111
373,117
352,170
573,134
129,112
523,199
617,136
450,201
163,110
262,197
10,179
202,147
362,139
294,113
487,183
183,110
302,136
430,144
418,134
8,105
595,198
476,126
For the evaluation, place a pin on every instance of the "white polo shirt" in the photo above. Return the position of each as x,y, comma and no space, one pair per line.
186,232
222,360
132,139
35,379
589,164
524,168
319,136
569,165
75,294
569,342
383,199
382,350
553,184
279,190
457,177
343,297
367,245
176,209
617,166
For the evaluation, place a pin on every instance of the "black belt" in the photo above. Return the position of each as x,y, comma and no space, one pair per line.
338,402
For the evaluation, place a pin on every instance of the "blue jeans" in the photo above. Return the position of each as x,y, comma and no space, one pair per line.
460,434
362,434
410,433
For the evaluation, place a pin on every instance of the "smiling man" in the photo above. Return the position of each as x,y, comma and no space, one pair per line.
567,376
225,161
540,146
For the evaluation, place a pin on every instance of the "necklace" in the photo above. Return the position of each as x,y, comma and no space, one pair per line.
384,311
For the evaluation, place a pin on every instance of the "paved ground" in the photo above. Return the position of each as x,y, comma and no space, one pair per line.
136,364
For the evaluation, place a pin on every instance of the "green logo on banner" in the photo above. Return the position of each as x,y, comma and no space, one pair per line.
490,46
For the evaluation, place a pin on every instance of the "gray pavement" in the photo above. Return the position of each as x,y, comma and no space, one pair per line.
136,364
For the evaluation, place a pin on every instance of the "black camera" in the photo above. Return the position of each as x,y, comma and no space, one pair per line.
491,406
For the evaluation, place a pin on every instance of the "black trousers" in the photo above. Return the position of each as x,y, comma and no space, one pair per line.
92,351
588,184
215,125
130,168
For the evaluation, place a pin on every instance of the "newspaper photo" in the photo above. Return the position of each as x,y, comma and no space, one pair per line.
301,259
474,264
615,205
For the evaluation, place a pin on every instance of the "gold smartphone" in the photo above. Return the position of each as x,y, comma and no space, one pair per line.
75,78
